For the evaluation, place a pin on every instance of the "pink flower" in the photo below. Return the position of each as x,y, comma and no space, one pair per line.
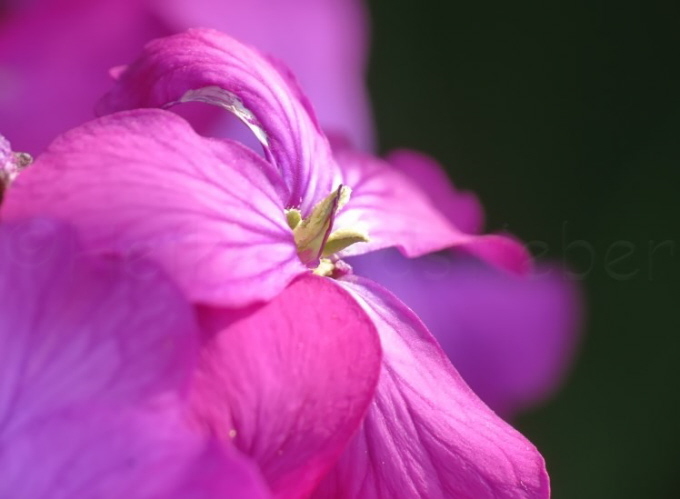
94,365
48,88
235,230
55,55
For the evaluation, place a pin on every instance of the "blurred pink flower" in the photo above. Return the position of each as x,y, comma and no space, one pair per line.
235,230
55,56
94,363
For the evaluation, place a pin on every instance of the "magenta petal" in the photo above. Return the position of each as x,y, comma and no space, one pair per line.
208,66
48,87
112,452
462,209
393,211
93,361
289,382
70,332
324,42
426,433
220,471
144,183
512,339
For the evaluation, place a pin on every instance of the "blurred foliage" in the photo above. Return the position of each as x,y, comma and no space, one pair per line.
565,118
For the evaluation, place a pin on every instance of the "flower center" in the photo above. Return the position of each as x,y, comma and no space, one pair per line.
317,243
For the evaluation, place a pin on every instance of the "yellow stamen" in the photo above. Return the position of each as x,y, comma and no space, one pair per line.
341,239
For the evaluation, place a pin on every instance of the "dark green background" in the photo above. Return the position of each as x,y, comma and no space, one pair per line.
565,118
